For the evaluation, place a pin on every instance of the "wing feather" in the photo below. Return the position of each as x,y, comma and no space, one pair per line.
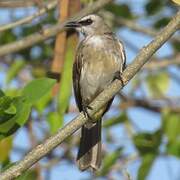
77,66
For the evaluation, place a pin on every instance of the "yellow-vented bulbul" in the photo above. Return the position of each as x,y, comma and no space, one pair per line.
100,58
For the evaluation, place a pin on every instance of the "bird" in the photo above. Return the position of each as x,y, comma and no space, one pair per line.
100,59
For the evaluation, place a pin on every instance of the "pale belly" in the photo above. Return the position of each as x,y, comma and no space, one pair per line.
96,76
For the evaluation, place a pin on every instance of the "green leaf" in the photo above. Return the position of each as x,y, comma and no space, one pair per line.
1,93
7,37
122,10
14,70
66,84
37,89
173,148
42,103
109,161
5,148
154,6
12,129
11,109
160,23
22,113
28,175
176,46
147,142
54,122
146,164
158,84
115,120
7,109
171,125
7,125
23,110
5,103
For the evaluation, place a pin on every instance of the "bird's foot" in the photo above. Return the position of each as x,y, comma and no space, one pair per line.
85,111
118,75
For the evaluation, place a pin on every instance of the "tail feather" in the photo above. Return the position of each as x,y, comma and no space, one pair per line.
89,155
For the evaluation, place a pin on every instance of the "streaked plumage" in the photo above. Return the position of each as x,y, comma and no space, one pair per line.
100,55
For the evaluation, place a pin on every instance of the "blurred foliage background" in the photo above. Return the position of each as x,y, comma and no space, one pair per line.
141,134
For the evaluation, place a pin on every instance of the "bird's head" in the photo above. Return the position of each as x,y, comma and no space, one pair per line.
89,25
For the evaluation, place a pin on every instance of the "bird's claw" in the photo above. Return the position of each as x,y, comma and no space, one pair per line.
85,111
118,75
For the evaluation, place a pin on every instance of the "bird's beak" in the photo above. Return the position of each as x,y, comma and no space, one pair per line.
73,24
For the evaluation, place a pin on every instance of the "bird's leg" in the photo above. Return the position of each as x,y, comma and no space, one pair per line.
118,75
85,108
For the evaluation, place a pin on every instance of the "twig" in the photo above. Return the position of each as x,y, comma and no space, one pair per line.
138,28
49,32
16,3
144,55
149,104
28,19
155,64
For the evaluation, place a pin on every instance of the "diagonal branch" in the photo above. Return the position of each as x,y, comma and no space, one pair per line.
138,28
28,19
16,3
49,32
163,63
43,149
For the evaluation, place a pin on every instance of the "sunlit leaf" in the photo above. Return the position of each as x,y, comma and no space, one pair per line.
65,84
14,70
171,125
5,102
43,102
54,122
5,148
37,88
7,125
11,109
109,161
22,113
146,164
115,120
158,84
23,110
173,148
7,109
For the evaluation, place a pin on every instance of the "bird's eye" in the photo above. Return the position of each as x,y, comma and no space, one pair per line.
86,22
89,21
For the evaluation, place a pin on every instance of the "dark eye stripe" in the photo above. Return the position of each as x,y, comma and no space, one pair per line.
86,22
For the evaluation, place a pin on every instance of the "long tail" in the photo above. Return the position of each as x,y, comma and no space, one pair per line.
89,155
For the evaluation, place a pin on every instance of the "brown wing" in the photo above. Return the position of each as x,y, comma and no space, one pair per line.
76,77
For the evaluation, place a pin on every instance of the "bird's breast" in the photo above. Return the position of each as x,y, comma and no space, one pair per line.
96,41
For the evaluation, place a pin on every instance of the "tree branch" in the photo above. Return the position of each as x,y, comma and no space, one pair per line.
28,19
49,32
138,28
163,63
150,104
144,55
16,3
